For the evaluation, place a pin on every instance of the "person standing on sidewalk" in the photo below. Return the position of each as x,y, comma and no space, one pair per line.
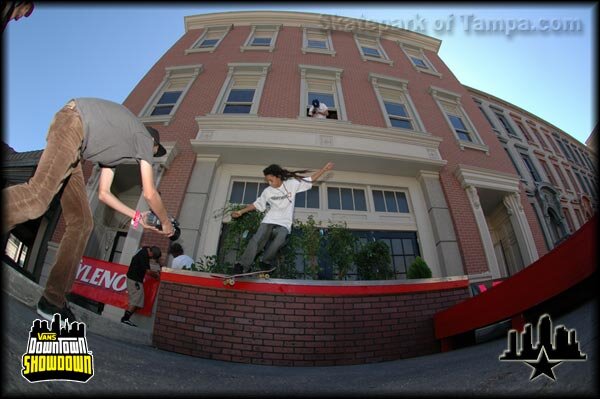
102,132
139,266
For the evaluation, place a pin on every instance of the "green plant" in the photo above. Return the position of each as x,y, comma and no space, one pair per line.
340,245
373,261
237,233
418,269
286,266
207,264
310,242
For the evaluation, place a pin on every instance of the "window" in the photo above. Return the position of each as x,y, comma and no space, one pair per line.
579,217
513,162
403,246
575,186
262,37
548,172
16,250
308,199
562,177
317,40
166,102
524,131
569,220
209,40
395,102
418,59
163,105
242,89
239,101
324,84
390,201
488,119
529,164
370,49
458,120
583,186
349,199
537,134
246,192
506,125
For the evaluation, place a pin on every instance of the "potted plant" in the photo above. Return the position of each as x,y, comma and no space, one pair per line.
373,261
418,269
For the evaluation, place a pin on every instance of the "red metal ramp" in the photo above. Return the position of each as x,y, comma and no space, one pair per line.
568,264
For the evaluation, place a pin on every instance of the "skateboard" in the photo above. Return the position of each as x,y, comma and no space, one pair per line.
230,278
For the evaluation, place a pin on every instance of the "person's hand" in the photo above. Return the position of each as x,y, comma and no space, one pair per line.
167,228
329,166
236,214
144,220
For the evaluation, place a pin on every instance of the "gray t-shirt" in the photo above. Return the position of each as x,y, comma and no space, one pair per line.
112,134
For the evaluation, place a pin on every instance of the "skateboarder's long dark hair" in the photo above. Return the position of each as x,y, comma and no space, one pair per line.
283,174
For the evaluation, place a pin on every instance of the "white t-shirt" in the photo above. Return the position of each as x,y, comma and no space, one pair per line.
181,261
322,108
281,201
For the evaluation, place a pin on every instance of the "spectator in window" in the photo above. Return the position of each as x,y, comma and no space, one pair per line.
180,260
139,266
102,132
318,109
14,10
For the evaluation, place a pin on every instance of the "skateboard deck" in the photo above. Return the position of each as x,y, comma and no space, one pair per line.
230,278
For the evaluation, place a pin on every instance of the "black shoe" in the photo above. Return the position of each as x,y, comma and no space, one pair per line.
128,322
47,311
238,268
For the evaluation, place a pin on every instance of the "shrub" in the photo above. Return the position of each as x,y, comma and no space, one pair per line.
418,269
373,261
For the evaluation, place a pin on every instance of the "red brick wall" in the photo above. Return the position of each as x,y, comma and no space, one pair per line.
297,330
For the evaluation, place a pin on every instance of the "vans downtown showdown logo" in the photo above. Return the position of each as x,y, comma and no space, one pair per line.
57,354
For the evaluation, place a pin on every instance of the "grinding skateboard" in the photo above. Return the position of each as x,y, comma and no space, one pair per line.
230,278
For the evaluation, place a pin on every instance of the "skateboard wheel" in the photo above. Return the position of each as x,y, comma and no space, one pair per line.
231,282
225,282
267,275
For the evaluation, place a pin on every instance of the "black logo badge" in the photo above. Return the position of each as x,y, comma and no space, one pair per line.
549,351
57,353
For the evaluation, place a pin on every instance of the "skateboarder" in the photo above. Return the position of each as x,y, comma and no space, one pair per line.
277,223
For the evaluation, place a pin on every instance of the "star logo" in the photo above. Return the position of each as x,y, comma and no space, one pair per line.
542,366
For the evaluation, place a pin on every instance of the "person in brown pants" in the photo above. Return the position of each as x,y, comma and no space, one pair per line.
102,132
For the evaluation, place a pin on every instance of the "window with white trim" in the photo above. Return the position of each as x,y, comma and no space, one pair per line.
390,201
348,199
505,124
168,96
324,84
370,48
418,59
210,39
458,120
242,89
245,192
261,37
317,40
395,102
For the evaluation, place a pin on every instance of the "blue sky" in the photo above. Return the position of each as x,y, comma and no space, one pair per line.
64,51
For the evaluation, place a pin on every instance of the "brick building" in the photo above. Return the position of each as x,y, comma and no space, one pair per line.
474,185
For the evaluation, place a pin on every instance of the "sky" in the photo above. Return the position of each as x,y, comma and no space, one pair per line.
538,57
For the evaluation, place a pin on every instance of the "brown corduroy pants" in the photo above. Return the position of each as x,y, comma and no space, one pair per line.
59,165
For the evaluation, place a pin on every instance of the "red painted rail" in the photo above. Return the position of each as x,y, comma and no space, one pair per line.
570,263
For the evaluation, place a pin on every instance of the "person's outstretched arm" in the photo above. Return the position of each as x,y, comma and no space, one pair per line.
315,176
248,208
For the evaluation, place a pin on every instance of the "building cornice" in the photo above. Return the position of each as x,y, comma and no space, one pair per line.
302,19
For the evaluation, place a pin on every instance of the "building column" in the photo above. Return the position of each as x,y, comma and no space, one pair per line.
484,232
449,256
512,202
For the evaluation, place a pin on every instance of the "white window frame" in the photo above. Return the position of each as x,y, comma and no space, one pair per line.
395,191
412,51
307,30
326,73
272,29
189,72
400,85
258,70
441,97
362,39
223,30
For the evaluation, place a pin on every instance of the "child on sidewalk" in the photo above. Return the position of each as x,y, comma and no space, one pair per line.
277,223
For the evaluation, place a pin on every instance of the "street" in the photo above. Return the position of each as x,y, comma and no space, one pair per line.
125,368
